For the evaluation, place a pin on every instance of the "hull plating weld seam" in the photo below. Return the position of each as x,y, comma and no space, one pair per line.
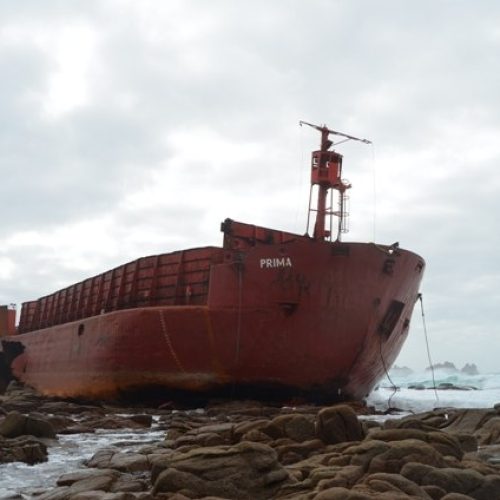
169,342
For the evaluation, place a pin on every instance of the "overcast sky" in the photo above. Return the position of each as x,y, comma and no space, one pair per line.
130,128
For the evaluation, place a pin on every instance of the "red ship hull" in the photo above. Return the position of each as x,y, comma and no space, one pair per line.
269,311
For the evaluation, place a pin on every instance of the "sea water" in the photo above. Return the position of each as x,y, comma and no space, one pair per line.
18,480
67,454
470,391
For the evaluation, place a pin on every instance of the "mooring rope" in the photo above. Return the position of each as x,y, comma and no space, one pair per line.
427,345
394,386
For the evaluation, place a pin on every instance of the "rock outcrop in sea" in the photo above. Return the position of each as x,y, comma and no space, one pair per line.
401,371
470,369
467,369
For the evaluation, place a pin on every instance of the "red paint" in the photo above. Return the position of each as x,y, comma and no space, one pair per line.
267,309
7,321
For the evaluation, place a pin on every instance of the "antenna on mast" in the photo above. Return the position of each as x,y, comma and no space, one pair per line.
326,173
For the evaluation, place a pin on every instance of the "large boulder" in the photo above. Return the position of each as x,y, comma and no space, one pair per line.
445,444
455,480
244,428
470,426
360,454
70,478
245,471
293,452
297,427
338,424
113,458
402,452
380,456
22,449
490,432
15,424
393,483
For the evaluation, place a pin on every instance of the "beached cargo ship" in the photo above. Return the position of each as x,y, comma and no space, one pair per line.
267,313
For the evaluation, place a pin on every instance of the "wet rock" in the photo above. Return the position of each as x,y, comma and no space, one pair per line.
15,424
490,432
212,439
70,408
130,483
456,480
295,426
224,429
293,452
303,469
113,422
329,477
112,458
483,424
489,454
401,452
77,429
243,428
206,435
142,419
415,471
101,495
370,425
338,493
345,477
483,466
445,444
468,442
425,422
435,492
245,408
245,471
22,449
102,482
59,493
256,436
72,477
338,424
456,496
417,387
380,456
394,483
91,487
447,386
194,440
262,452
60,423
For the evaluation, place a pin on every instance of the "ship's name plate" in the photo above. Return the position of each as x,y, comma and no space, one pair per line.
275,262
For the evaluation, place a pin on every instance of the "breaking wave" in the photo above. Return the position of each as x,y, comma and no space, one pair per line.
414,392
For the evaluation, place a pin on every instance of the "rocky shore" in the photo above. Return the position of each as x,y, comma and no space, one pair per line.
253,450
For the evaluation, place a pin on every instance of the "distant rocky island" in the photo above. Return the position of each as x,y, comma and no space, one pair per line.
468,368
401,371
447,366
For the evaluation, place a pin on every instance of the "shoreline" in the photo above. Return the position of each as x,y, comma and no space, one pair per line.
250,449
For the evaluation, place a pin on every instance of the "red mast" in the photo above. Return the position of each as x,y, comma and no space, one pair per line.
326,173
